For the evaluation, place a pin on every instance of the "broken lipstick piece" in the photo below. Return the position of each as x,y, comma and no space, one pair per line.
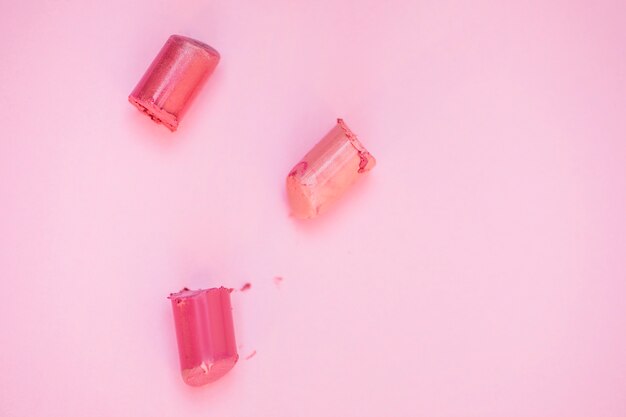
327,171
173,79
205,334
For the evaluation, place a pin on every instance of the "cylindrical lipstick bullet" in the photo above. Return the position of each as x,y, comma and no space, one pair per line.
326,172
205,334
173,79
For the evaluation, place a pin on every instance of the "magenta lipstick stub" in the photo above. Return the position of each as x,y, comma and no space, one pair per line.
205,334
173,79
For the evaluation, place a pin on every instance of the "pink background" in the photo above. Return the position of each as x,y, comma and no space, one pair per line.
480,269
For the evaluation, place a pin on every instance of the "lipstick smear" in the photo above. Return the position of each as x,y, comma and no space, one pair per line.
251,355
246,287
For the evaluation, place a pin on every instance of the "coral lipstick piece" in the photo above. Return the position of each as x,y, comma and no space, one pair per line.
205,334
173,79
327,171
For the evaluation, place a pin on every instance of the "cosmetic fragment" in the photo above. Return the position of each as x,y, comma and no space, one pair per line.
246,287
205,334
173,79
327,171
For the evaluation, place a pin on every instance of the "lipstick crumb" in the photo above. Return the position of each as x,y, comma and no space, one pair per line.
278,281
246,287
251,355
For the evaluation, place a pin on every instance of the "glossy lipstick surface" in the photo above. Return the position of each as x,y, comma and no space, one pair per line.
205,334
173,79
326,172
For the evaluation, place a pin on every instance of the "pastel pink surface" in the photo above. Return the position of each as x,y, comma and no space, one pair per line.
478,270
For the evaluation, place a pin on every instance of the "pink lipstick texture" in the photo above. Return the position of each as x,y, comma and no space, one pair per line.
173,79
327,171
205,334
